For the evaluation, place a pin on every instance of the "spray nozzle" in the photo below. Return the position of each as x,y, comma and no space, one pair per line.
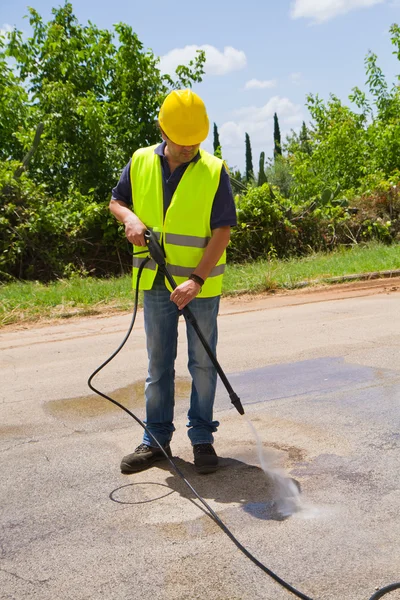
236,403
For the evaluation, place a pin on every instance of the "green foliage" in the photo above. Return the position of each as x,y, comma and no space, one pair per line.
98,99
376,213
261,225
279,174
97,94
46,238
304,140
344,145
262,178
76,101
216,143
277,137
249,160
269,225
329,198
338,149
13,109
237,175
238,183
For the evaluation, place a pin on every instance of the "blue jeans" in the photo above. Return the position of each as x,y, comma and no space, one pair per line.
161,326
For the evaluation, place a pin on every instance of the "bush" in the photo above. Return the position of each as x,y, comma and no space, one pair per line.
279,174
263,227
47,238
377,214
268,226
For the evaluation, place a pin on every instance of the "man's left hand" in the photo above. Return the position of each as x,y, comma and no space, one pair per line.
185,292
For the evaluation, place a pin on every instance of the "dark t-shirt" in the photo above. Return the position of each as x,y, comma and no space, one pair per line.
223,211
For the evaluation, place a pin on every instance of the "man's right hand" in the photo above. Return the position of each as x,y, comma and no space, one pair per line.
134,230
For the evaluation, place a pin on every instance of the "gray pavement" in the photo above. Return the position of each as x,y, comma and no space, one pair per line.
319,377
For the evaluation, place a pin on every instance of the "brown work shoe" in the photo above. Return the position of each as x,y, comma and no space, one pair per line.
205,458
143,458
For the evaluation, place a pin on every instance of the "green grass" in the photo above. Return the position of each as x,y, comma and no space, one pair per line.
32,301
265,275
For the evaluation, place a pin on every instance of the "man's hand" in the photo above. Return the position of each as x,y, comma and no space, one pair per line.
134,230
184,293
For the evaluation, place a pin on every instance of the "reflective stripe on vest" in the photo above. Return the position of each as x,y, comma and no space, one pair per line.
185,231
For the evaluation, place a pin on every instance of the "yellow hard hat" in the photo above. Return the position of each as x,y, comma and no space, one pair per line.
183,118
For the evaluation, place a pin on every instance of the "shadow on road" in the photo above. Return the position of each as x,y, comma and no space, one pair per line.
235,482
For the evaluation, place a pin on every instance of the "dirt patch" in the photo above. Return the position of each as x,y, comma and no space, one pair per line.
317,293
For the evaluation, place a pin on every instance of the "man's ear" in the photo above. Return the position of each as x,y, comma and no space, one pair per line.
164,137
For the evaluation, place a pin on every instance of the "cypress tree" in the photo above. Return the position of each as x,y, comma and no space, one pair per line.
249,160
304,140
277,137
262,178
216,143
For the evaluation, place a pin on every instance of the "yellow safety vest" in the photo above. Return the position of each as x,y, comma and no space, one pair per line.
185,231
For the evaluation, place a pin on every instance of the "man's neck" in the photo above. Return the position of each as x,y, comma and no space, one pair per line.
173,164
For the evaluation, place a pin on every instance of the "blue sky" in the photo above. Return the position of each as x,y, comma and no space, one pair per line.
262,57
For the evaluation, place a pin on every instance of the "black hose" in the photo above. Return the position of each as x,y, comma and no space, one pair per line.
383,591
211,513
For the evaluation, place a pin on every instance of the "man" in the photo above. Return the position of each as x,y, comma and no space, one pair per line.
183,194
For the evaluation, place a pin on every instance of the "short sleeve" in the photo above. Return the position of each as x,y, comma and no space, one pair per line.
224,210
123,189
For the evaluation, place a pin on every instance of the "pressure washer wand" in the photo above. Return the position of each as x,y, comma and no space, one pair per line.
157,254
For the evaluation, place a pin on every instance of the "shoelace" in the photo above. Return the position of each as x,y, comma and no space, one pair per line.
142,448
203,449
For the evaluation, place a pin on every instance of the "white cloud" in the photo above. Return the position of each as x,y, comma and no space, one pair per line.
323,10
256,84
217,62
254,115
258,122
6,28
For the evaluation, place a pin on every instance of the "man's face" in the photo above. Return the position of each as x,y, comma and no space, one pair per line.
180,154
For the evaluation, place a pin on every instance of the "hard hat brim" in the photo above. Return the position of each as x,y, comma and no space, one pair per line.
186,139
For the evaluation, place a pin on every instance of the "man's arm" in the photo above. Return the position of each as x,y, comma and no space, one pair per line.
213,252
134,228
186,291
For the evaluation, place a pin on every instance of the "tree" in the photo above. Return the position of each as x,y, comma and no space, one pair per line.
13,110
262,178
304,140
356,148
277,137
95,94
278,173
216,143
236,180
98,99
249,160
339,150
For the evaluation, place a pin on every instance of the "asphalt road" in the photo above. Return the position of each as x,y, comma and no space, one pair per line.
319,376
